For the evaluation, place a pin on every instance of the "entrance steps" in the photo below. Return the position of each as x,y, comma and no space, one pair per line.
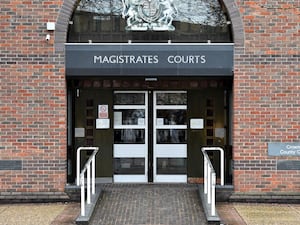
147,204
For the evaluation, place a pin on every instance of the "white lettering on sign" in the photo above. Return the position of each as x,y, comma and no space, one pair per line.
293,146
290,150
284,149
287,152
126,59
186,59
149,59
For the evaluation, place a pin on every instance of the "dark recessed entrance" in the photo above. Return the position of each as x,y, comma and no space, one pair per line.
137,146
136,69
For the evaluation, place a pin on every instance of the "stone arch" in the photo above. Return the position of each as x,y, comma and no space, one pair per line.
62,24
68,6
236,22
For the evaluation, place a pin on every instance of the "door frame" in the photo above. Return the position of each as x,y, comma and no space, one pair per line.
132,150
167,150
151,150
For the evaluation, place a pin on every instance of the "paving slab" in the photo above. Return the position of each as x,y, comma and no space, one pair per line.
269,214
29,214
68,215
229,215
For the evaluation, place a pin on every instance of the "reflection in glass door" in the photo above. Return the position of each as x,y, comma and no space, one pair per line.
169,136
130,136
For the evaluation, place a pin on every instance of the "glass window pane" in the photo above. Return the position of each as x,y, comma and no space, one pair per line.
129,99
171,99
102,21
171,165
129,165
172,116
129,136
129,117
171,136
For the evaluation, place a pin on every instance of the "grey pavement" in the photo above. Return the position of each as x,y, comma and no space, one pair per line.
39,214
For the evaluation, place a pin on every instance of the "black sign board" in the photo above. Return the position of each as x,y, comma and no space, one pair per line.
149,59
288,165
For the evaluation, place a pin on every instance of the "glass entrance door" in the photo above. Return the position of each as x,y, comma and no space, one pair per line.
130,136
167,133
169,136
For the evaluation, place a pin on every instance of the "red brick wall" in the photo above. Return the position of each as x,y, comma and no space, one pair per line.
32,100
266,95
33,94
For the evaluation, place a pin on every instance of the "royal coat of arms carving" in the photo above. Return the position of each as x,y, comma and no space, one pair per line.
156,15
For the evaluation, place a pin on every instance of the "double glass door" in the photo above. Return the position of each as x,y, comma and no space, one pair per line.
150,136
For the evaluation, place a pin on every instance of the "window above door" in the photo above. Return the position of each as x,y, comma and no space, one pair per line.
193,21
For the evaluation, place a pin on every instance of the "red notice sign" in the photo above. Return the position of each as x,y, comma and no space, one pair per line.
103,111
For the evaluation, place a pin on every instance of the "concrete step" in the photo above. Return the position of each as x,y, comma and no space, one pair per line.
224,193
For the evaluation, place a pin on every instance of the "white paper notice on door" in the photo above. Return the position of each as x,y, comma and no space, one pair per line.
102,123
79,132
220,132
197,123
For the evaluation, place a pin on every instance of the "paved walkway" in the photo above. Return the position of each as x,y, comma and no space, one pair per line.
259,214
150,204
39,214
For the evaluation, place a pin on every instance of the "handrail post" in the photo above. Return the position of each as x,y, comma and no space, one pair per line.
90,176
88,185
93,175
82,197
209,186
205,175
222,165
78,166
210,177
213,194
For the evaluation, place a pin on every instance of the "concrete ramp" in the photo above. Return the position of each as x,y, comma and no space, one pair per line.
138,204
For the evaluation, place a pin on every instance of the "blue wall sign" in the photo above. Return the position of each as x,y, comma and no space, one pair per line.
284,149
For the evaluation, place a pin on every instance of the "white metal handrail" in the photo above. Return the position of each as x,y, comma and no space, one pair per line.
222,160
210,177
89,165
78,160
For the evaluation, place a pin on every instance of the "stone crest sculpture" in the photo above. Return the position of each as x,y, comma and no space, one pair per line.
156,15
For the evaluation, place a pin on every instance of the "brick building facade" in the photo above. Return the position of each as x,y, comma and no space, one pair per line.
33,91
